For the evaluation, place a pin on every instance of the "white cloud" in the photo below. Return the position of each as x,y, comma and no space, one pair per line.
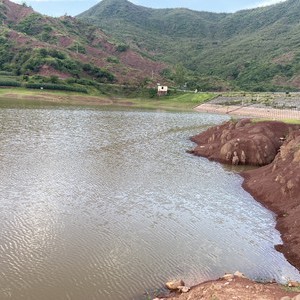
266,3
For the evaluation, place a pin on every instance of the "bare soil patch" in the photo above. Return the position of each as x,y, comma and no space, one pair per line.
235,288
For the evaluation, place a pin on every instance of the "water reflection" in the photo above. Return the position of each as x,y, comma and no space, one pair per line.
107,204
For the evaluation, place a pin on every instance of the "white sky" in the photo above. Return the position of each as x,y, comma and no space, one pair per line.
74,7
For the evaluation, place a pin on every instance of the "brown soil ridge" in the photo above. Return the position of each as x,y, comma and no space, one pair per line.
275,146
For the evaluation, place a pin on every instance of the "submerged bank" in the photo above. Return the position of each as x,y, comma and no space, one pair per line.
182,101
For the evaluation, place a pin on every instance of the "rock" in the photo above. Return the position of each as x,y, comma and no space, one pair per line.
228,156
228,277
296,297
235,159
239,274
184,289
174,284
285,298
290,185
293,284
243,157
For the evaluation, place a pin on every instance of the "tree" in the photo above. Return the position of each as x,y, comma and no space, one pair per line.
54,79
180,75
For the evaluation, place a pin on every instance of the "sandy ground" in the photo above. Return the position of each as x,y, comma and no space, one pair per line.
249,111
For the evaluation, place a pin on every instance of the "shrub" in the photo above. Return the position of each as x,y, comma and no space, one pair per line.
59,87
113,59
6,73
10,83
122,47
77,48
31,25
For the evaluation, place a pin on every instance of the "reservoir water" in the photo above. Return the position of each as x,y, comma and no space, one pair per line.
99,204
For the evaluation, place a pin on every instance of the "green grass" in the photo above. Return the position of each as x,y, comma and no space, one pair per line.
180,101
291,289
291,121
8,77
192,99
8,90
288,121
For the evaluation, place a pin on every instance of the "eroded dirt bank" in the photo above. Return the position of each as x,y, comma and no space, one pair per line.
277,186
275,146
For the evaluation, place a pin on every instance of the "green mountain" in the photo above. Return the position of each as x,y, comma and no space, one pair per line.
34,46
119,42
255,49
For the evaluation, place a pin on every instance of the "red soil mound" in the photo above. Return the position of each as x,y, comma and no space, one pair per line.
277,186
242,142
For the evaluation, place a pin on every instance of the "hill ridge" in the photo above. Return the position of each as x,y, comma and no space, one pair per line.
241,48
35,44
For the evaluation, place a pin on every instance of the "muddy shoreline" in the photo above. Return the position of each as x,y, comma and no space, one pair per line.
275,148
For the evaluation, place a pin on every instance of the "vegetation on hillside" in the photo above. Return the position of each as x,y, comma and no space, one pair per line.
67,48
255,49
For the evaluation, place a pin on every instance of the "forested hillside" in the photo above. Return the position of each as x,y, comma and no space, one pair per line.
119,42
34,46
255,49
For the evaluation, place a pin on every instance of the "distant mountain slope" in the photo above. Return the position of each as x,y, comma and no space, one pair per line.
31,43
254,49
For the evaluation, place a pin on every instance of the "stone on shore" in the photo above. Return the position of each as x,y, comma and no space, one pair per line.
175,284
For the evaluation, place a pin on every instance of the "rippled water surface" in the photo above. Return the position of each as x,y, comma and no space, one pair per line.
108,205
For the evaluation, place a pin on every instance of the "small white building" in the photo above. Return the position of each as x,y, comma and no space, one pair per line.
162,90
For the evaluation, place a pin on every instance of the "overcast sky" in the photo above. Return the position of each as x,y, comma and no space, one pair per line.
57,8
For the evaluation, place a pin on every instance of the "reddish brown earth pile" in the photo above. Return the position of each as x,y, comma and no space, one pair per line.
251,143
276,185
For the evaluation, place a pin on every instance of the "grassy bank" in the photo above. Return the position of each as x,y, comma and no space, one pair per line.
175,101
288,121
178,101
